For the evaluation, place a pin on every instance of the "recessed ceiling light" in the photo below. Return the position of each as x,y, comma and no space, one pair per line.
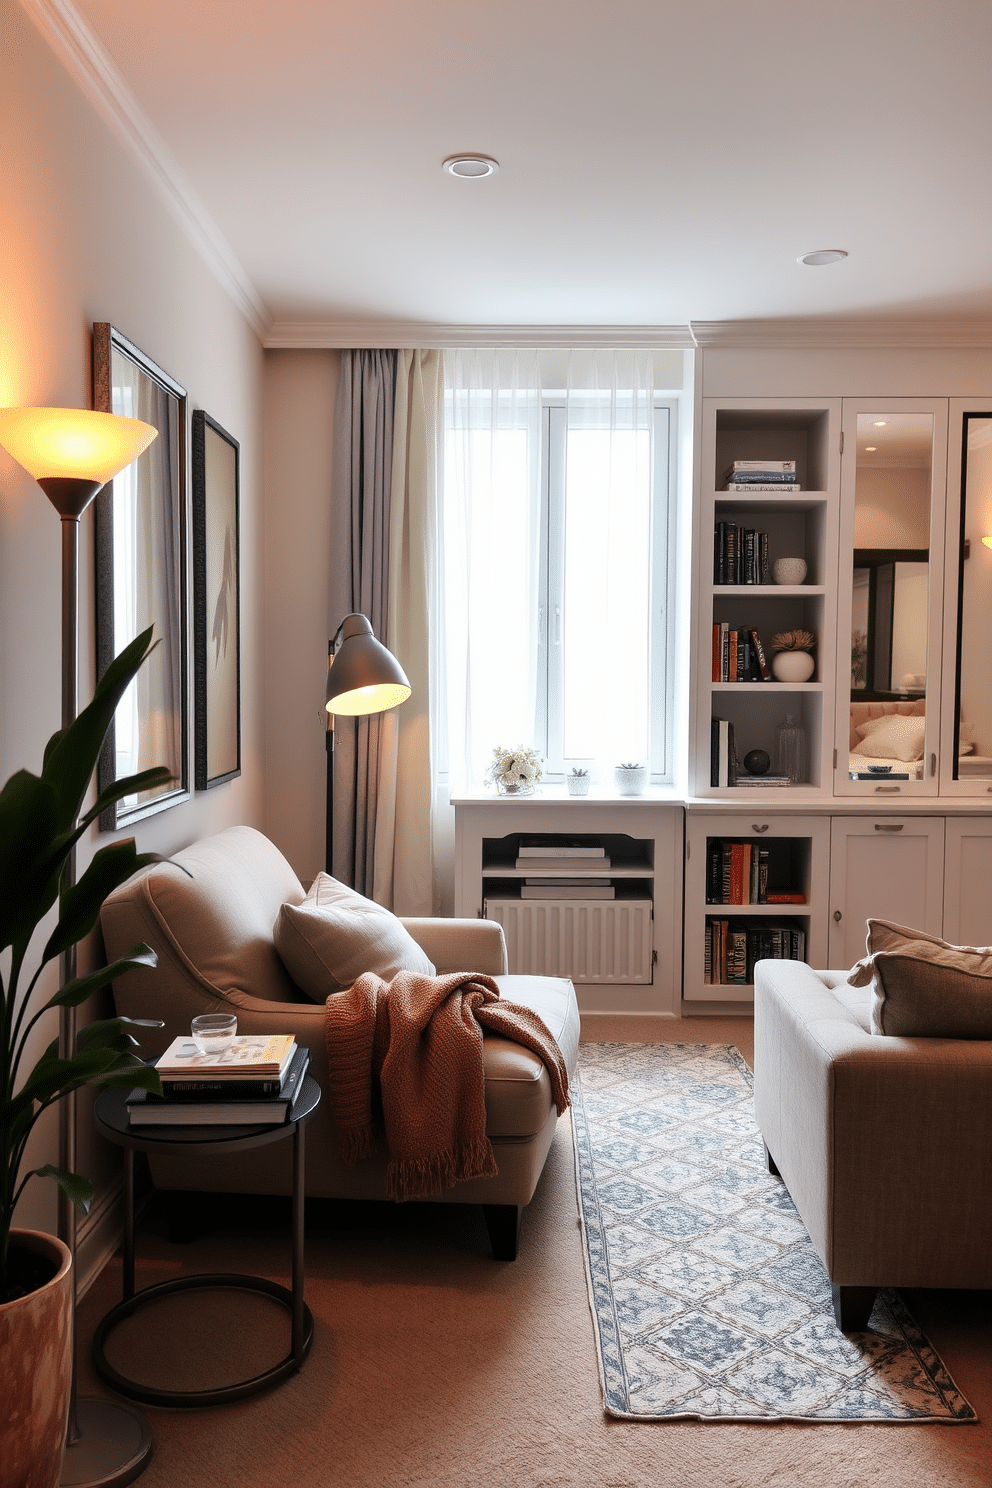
870,449
879,423
822,256
472,167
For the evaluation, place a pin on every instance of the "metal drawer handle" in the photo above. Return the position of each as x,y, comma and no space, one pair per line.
881,789
889,826
756,828
838,916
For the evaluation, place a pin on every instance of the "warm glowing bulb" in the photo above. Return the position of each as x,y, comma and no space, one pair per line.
870,449
987,541
879,423
72,442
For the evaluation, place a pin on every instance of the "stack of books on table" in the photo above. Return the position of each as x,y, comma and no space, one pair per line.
255,1081
746,477
568,870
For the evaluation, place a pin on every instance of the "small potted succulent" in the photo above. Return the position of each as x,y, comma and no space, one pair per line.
577,781
631,778
792,661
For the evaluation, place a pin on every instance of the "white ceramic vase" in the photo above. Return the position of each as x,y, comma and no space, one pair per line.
792,666
578,785
630,782
789,570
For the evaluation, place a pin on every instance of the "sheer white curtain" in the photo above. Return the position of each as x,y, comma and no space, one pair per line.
604,549
490,526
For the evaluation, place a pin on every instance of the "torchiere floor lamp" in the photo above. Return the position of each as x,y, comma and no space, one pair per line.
72,453
362,677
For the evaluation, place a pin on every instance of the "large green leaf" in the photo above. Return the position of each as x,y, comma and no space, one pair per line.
77,991
70,763
130,785
28,826
80,905
79,1190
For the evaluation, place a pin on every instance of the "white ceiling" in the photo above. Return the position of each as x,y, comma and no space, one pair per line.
660,163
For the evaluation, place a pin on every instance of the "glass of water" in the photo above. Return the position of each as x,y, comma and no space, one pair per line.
214,1032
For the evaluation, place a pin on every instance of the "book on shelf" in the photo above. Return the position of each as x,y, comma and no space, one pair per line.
723,753
731,949
554,848
247,1054
220,1109
735,478
567,891
746,466
764,487
764,670
740,554
786,896
588,882
746,779
555,865
876,775
736,872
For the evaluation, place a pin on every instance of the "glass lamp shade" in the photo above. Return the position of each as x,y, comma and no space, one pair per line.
363,676
72,442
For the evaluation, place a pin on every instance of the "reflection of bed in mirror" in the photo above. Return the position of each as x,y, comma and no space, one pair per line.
897,730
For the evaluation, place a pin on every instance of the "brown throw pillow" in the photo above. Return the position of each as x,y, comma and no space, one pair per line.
923,987
336,934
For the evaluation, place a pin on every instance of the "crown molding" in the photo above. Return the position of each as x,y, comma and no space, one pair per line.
287,335
83,57
878,335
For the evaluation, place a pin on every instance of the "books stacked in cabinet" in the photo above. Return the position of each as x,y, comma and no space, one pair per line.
740,555
255,1081
731,947
738,654
765,475
549,861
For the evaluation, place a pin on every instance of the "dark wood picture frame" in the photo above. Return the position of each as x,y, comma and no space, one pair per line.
141,577
216,603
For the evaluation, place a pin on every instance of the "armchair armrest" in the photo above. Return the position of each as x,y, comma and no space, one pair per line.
461,945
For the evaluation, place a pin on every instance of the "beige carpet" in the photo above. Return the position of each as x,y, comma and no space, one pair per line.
434,1365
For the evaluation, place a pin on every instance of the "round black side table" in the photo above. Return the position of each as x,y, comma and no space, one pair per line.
210,1141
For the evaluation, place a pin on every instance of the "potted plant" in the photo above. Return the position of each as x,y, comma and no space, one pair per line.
41,820
577,781
792,661
631,778
515,772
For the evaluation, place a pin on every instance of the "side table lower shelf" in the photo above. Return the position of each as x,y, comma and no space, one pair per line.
112,1121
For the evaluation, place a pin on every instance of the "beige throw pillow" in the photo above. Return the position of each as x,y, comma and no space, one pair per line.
897,736
923,987
336,934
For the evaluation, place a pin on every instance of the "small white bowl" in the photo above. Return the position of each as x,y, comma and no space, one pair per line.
789,570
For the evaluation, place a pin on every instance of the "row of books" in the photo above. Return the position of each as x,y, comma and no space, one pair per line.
553,854
747,476
731,949
255,1081
724,766
740,555
738,655
737,873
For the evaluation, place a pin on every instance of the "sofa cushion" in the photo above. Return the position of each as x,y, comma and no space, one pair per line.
895,737
923,987
336,934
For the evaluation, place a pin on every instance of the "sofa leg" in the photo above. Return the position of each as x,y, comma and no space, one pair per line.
852,1307
503,1224
770,1164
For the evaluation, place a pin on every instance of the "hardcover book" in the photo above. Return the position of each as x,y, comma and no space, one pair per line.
151,1110
247,1054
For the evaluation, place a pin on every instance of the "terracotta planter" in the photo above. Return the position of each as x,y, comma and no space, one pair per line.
35,1340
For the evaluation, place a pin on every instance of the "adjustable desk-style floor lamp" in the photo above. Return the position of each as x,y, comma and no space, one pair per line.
362,677
72,453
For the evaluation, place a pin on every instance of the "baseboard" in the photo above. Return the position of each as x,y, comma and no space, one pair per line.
98,1236
626,1028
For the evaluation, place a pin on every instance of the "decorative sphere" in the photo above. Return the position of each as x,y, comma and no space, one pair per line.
756,762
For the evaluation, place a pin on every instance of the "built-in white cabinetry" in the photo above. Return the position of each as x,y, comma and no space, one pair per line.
887,868
621,943
968,880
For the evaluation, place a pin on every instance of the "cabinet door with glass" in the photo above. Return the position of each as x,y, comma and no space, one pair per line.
966,713
890,597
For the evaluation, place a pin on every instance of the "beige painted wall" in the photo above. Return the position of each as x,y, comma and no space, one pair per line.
300,388
86,237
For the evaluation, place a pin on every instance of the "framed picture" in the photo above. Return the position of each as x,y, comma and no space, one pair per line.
141,577
216,604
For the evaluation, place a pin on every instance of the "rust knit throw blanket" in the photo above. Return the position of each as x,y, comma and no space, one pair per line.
416,1042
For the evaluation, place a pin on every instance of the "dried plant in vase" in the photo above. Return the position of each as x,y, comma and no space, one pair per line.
792,661
515,772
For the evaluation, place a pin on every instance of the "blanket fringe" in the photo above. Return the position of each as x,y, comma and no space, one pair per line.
356,1144
428,1177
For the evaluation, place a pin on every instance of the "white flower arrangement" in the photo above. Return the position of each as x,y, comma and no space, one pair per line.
515,771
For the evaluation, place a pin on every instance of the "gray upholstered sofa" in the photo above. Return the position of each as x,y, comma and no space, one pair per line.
884,1142
212,928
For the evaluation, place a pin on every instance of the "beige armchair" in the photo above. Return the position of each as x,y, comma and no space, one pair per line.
884,1143
212,929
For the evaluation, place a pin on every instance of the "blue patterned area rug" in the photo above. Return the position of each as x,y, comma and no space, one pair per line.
708,1299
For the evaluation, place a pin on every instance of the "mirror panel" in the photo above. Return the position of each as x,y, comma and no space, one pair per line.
141,576
973,733
890,591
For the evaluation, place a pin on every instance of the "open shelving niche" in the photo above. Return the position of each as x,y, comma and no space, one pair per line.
798,858
801,524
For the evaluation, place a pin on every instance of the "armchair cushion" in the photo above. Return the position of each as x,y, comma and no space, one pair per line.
336,934
923,987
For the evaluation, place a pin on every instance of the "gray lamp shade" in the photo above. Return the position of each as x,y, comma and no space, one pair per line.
362,675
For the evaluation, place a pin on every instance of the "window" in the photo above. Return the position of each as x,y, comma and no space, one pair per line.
557,566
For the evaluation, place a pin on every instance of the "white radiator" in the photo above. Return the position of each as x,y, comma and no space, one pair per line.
588,940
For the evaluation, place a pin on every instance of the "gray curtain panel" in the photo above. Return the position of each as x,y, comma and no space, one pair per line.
361,476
